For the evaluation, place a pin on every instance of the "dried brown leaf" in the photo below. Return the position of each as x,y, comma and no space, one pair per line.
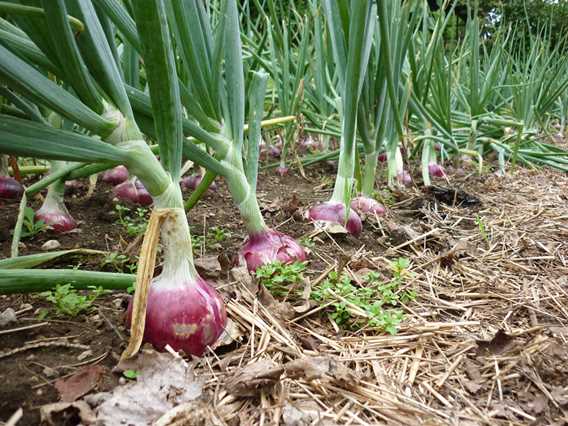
80,383
500,343
249,380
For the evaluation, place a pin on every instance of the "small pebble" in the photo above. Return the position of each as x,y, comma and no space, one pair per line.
51,245
7,317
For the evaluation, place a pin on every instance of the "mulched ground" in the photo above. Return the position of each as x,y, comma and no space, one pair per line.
485,341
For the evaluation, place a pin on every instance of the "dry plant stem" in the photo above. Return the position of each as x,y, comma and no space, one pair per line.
144,277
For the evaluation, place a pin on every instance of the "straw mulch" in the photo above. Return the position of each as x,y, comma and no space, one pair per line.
485,341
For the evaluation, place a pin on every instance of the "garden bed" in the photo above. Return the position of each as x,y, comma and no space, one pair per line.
483,342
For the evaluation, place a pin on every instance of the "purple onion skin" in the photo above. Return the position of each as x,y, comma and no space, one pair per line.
275,151
271,246
382,157
133,193
59,221
436,170
335,213
367,205
192,182
189,317
115,176
10,188
282,171
404,178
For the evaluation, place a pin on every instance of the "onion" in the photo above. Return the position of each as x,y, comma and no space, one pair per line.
282,170
193,181
269,246
436,170
183,310
188,315
54,214
404,178
133,191
115,176
382,157
275,151
334,213
10,188
367,205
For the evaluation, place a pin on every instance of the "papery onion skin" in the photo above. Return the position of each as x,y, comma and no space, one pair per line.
404,178
133,192
334,212
193,181
367,205
436,170
189,316
282,171
10,188
56,217
270,246
116,175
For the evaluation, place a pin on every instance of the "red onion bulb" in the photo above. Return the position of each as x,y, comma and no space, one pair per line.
334,212
115,176
133,192
54,214
436,170
270,246
10,188
188,315
367,205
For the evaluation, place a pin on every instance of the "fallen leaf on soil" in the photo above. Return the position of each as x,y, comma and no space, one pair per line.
63,413
280,310
321,367
162,382
538,404
250,379
500,343
242,276
304,413
306,293
80,383
231,334
208,266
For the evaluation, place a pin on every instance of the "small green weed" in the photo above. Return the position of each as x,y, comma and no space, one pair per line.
133,220
118,262
385,197
307,242
375,301
277,277
68,302
214,235
31,227
480,222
